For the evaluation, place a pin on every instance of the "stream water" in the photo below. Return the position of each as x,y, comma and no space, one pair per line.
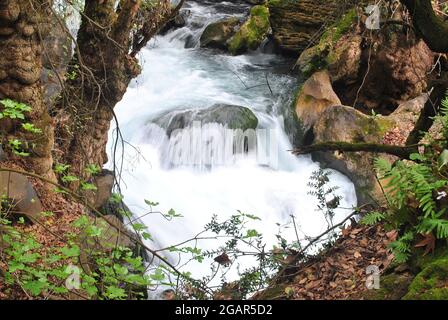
178,75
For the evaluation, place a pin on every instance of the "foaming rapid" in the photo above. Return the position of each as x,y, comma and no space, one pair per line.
266,181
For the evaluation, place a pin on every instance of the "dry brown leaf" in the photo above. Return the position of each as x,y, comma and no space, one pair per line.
428,242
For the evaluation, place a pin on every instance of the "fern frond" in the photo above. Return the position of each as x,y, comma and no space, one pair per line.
439,225
372,218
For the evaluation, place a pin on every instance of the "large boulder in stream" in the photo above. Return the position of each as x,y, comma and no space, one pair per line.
231,116
217,34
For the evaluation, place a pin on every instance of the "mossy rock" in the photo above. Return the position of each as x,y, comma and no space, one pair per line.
275,292
431,283
218,33
342,26
328,51
392,287
231,116
252,33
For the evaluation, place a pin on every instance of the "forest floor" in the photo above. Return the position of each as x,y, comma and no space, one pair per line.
341,271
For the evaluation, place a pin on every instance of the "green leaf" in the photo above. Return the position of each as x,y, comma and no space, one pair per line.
158,275
151,203
252,233
14,266
443,159
69,179
93,169
115,293
31,128
372,218
69,252
35,287
88,186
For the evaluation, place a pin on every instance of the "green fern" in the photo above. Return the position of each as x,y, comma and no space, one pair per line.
439,225
401,248
372,218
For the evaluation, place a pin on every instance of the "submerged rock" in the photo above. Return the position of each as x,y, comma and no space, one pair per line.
218,33
252,33
234,117
179,21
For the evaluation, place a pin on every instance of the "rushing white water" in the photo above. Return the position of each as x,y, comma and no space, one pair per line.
176,79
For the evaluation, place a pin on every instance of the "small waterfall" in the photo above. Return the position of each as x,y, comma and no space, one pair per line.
207,168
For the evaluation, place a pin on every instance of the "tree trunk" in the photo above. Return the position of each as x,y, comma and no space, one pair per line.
20,70
100,73
431,27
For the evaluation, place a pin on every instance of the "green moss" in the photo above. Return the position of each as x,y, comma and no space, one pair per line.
252,32
324,53
373,126
338,29
431,283
392,287
273,293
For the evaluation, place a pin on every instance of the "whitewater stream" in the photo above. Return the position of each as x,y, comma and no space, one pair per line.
201,175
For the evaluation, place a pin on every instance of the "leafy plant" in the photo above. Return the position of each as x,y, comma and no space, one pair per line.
417,192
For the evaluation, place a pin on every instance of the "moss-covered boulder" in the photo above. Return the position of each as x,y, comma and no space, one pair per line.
431,283
346,124
231,116
252,33
393,286
389,69
217,34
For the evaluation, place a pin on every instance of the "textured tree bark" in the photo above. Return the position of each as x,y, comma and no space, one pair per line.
430,110
432,28
20,69
102,69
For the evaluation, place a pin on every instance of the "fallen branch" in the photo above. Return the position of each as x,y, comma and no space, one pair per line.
402,152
